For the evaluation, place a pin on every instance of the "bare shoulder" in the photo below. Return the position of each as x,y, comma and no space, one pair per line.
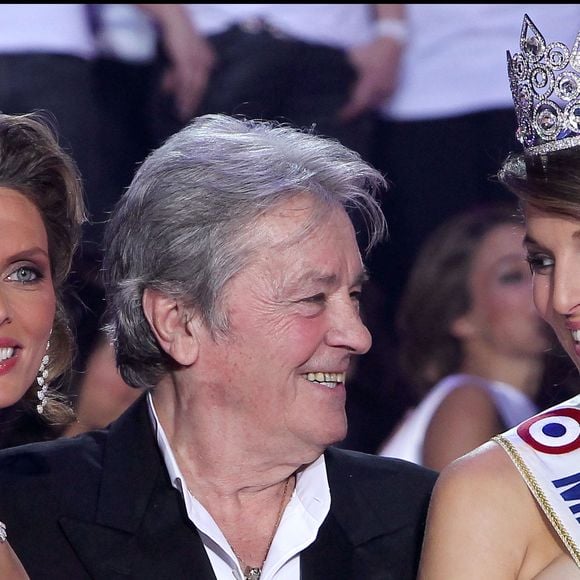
469,398
466,418
482,506
467,413
486,475
479,462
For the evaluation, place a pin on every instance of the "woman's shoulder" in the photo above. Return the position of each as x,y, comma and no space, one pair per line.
484,492
484,471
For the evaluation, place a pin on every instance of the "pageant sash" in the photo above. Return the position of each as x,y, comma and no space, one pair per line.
546,451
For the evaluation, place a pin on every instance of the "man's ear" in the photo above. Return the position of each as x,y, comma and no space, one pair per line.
171,323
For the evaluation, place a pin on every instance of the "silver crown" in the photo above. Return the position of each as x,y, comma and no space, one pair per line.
545,84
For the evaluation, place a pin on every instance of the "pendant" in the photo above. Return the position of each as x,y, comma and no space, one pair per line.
253,573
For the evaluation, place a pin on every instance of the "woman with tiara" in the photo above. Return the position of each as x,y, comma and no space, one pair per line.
41,211
511,508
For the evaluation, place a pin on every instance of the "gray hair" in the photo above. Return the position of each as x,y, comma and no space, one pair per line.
184,226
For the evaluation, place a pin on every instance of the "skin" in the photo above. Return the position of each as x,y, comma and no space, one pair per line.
103,393
553,243
377,65
27,308
244,397
10,566
484,487
27,299
503,319
503,339
190,56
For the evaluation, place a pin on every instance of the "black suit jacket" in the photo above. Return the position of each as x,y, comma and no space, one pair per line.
101,506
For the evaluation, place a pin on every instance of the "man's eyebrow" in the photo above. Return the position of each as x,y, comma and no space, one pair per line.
328,279
315,276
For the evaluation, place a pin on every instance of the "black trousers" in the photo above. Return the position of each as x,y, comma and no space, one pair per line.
266,75
62,85
437,168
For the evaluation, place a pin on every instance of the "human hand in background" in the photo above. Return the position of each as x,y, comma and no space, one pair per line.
190,57
191,60
377,65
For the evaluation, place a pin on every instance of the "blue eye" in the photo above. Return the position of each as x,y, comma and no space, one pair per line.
25,275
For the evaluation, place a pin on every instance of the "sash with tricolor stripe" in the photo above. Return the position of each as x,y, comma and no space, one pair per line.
546,451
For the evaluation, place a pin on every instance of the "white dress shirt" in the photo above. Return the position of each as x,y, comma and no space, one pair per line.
298,528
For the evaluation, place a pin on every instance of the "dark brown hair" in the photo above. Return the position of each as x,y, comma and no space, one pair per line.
549,182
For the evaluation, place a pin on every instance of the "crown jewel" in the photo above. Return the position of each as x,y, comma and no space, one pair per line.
545,85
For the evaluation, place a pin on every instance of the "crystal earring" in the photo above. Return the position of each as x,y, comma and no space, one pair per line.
41,380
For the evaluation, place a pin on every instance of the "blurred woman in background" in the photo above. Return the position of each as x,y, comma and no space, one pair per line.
472,343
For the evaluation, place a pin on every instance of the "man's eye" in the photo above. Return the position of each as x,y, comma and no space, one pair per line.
356,295
316,299
25,275
539,264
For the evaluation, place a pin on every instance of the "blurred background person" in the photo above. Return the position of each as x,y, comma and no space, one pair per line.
96,389
472,345
149,76
450,86
447,86
47,62
46,53
325,66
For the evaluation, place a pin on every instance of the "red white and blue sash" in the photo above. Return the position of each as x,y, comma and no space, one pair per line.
546,451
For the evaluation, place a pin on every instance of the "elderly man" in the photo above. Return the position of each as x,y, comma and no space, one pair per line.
233,279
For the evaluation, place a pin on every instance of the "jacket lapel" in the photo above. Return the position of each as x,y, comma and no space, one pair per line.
366,529
140,527
330,556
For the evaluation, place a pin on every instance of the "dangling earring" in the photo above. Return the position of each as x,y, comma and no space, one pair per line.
41,380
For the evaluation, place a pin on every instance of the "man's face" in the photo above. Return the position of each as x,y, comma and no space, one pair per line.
294,325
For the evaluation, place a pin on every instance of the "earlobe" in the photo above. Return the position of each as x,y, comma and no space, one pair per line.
172,326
